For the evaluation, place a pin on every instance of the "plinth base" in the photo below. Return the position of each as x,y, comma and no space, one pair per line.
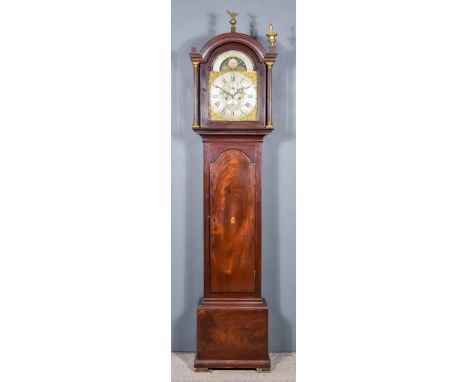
232,334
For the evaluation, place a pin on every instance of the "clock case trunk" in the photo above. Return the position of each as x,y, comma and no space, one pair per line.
232,316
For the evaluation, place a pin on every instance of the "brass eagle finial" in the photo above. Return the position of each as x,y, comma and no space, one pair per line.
233,20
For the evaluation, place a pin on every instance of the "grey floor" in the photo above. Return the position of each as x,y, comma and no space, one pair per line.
283,369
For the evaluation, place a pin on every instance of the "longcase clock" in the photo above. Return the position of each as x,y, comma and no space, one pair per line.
232,114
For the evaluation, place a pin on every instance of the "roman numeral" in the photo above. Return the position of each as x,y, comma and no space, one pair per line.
223,111
223,79
232,114
233,79
217,104
249,96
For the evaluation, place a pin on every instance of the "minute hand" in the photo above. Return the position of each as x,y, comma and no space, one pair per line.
224,91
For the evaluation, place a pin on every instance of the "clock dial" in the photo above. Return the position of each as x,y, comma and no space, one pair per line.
233,96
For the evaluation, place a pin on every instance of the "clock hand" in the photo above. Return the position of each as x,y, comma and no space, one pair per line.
224,91
238,90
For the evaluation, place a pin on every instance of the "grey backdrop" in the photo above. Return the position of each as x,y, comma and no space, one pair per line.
193,24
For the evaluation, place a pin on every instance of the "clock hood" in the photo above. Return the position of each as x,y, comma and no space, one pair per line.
240,38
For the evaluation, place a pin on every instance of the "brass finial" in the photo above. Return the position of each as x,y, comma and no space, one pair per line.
233,20
271,37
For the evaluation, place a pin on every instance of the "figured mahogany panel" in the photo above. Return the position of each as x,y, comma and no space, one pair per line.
233,333
232,223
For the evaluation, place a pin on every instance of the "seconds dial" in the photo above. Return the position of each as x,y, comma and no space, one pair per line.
233,97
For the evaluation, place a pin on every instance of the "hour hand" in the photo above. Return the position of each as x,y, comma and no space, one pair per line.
240,90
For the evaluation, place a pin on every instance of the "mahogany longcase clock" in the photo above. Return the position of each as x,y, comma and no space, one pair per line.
232,114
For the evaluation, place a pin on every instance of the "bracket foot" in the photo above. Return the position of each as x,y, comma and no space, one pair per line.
202,369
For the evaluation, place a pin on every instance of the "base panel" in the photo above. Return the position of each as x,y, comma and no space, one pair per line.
232,336
260,366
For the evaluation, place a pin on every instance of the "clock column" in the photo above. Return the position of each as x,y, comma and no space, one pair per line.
196,58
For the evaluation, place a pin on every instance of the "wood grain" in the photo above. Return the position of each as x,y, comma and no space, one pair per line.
232,224
232,336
